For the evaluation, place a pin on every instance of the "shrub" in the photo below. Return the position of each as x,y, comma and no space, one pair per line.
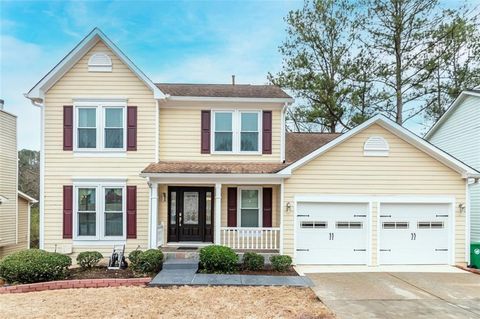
34,265
218,259
89,259
147,261
253,261
281,262
133,256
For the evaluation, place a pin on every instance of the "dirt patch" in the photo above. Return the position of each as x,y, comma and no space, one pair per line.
99,273
176,302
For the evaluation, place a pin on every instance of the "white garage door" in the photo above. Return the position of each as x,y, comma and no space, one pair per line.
332,233
414,234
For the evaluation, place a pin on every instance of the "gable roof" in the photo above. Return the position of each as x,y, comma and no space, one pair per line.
475,92
38,91
399,131
300,144
222,90
29,199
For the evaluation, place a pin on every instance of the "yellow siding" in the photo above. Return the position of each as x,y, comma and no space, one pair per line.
180,125
8,178
23,226
61,166
406,171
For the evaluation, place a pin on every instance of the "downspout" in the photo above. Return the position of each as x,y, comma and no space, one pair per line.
41,105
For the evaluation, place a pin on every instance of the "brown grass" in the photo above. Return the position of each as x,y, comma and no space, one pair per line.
176,302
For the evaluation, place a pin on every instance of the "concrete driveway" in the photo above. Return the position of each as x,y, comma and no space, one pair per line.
399,294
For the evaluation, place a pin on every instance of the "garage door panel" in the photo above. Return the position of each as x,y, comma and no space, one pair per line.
414,233
331,233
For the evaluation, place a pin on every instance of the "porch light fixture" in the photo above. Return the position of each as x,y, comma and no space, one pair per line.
289,207
461,206
164,197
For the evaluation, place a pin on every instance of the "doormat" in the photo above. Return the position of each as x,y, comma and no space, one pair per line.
187,248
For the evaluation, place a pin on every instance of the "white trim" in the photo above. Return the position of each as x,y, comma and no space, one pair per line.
449,111
467,221
282,133
402,133
157,131
100,67
211,179
29,218
217,214
239,204
236,131
99,187
41,218
39,90
230,99
16,181
153,220
29,199
100,125
282,211
109,243
114,100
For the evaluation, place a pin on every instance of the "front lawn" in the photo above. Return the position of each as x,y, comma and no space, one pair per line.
176,302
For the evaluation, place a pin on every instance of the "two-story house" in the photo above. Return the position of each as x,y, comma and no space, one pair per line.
128,161
14,205
458,133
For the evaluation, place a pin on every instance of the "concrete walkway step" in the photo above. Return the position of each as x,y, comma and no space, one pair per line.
172,264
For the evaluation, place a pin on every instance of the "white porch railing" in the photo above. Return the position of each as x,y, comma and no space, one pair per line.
267,238
160,235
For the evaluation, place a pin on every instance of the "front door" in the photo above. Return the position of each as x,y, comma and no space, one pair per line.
190,214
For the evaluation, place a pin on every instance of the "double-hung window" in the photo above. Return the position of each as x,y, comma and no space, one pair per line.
100,126
100,212
236,132
250,207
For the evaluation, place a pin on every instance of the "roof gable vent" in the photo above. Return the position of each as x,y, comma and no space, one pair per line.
100,62
376,146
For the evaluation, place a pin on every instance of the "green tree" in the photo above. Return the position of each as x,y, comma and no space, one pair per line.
400,32
320,65
457,64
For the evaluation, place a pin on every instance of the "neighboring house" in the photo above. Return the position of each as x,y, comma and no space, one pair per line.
458,133
128,161
14,205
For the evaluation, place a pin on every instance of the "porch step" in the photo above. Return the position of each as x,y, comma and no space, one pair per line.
179,255
176,264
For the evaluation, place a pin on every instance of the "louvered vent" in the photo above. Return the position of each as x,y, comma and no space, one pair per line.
100,62
376,146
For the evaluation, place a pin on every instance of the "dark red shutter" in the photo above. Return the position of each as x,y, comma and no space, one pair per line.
67,211
131,128
205,148
267,207
232,207
67,128
267,132
131,211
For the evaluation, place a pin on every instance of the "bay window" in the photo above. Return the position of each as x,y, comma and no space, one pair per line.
100,126
236,132
100,212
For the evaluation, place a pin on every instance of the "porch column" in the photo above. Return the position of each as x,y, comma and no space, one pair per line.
152,243
218,212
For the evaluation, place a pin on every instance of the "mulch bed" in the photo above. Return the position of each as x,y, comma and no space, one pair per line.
268,271
100,273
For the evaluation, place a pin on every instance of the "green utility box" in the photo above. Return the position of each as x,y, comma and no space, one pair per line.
475,255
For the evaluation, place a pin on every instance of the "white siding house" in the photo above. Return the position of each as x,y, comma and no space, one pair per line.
457,132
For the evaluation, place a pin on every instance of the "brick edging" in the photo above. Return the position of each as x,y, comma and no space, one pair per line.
81,283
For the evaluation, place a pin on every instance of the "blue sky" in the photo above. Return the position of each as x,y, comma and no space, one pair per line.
171,41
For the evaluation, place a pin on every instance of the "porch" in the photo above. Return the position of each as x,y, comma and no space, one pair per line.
243,215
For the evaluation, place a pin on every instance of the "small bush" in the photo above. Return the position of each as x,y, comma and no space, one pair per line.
89,259
281,262
253,261
218,259
34,265
146,261
133,256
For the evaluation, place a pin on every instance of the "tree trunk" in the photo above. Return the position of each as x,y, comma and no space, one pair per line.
398,61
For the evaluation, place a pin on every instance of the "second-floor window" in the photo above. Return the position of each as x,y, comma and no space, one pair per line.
236,131
100,128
